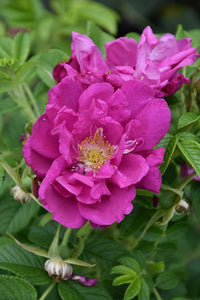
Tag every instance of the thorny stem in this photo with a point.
(48, 290)
(156, 294)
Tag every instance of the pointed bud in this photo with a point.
(58, 270)
(20, 195)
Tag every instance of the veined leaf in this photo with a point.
(133, 289)
(22, 263)
(191, 151)
(123, 280)
(74, 291)
(21, 46)
(144, 293)
(13, 288)
(121, 269)
(166, 281)
(187, 119)
(131, 263)
(168, 154)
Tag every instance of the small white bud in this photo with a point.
(181, 207)
(20, 195)
(59, 270)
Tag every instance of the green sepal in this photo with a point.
(37, 251)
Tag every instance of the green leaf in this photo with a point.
(34, 275)
(21, 46)
(12, 288)
(133, 289)
(185, 135)
(78, 262)
(121, 269)
(22, 216)
(37, 251)
(104, 250)
(133, 35)
(186, 119)
(131, 263)
(195, 192)
(98, 13)
(164, 142)
(155, 267)
(74, 291)
(6, 47)
(46, 63)
(99, 37)
(23, 263)
(123, 280)
(144, 293)
(191, 151)
(166, 281)
(53, 251)
(11, 172)
(168, 154)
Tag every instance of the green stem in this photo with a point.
(66, 236)
(20, 99)
(156, 294)
(48, 290)
(36, 200)
(182, 97)
(157, 215)
(185, 181)
(32, 99)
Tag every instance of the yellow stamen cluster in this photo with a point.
(95, 151)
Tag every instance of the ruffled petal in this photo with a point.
(122, 51)
(155, 122)
(87, 54)
(111, 208)
(138, 95)
(152, 181)
(66, 93)
(130, 171)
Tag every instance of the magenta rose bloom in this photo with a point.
(93, 147)
(153, 61)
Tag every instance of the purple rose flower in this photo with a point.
(93, 147)
(154, 61)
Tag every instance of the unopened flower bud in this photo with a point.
(58, 270)
(20, 195)
(181, 207)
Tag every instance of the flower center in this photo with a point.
(95, 151)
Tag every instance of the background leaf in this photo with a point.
(166, 281)
(21, 46)
(23, 263)
(13, 288)
(187, 119)
(74, 291)
(191, 151)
